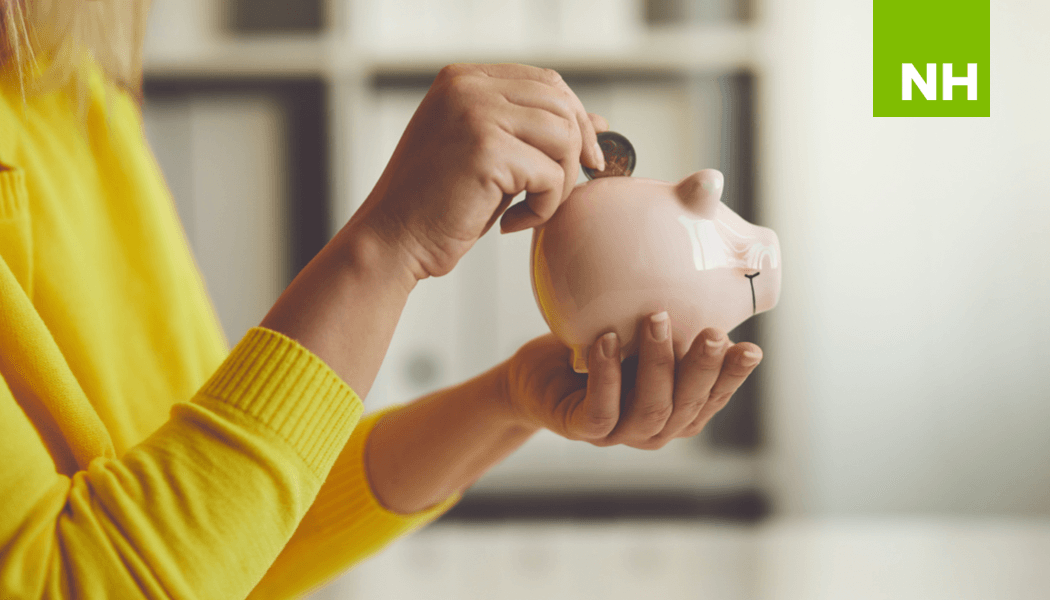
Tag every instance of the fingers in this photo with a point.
(599, 123)
(549, 132)
(531, 170)
(597, 415)
(519, 217)
(740, 360)
(540, 110)
(668, 402)
(652, 404)
(662, 401)
(553, 134)
(591, 153)
(697, 374)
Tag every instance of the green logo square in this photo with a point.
(931, 58)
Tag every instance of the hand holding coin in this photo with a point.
(619, 156)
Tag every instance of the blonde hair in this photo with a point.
(69, 32)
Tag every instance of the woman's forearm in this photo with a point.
(440, 444)
(344, 307)
(346, 302)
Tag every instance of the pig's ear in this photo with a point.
(701, 191)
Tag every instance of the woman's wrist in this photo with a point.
(374, 255)
(509, 411)
(345, 304)
(420, 454)
(372, 222)
(501, 406)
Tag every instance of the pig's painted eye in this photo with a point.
(751, 280)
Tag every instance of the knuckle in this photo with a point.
(446, 72)
(451, 71)
(596, 426)
(588, 425)
(662, 359)
(690, 405)
(655, 414)
(462, 91)
(566, 129)
(552, 76)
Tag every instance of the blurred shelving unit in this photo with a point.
(682, 91)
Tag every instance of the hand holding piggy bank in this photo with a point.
(620, 249)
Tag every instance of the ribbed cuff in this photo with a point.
(281, 384)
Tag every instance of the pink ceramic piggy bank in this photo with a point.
(621, 248)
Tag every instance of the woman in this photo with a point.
(142, 458)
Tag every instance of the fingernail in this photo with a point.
(609, 345)
(658, 322)
(749, 358)
(711, 347)
(600, 155)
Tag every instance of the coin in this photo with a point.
(619, 156)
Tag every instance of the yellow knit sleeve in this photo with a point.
(345, 525)
(200, 509)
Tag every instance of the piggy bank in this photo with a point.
(622, 248)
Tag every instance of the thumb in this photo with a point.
(519, 217)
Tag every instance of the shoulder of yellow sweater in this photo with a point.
(37, 83)
(12, 112)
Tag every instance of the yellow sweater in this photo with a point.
(140, 457)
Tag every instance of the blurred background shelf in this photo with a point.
(664, 51)
(659, 52)
(283, 56)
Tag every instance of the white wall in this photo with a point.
(908, 362)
